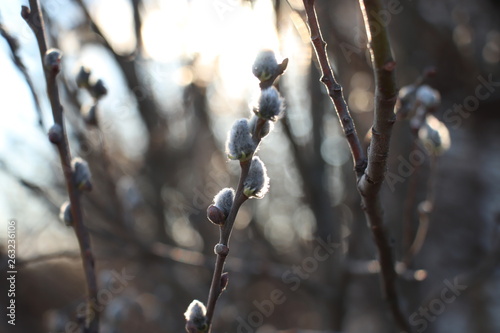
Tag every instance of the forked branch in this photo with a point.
(371, 173)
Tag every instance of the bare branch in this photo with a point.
(241, 195)
(384, 118)
(335, 89)
(371, 174)
(33, 16)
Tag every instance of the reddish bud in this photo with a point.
(215, 215)
(224, 279)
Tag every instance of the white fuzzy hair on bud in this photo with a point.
(271, 104)
(265, 65)
(428, 97)
(224, 200)
(239, 144)
(196, 316)
(256, 184)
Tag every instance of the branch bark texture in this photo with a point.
(334, 89)
(370, 172)
(33, 16)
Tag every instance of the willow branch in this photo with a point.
(370, 183)
(216, 286)
(33, 16)
(335, 89)
(371, 173)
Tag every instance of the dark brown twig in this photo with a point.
(384, 118)
(335, 89)
(225, 233)
(33, 16)
(370, 174)
(225, 230)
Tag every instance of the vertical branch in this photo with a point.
(225, 233)
(242, 144)
(334, 89)
(384, 118)
(370, 173)
(33, 16)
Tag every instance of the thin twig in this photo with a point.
(226, 229)
(14, 48)
(370, 174)
(225, 233)
(335, 89)
(33, 16)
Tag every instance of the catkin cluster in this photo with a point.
(242, 143)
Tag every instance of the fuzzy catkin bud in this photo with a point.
(428, 97)
(405, 93)
(224, 200)
(265, 65)
(196, 320)
(65, 214)
(52, 60)
(239, 144)
(219, 211)
(264, 131)
(256, 184)
(434, 135)
(81, 174)
(271, 104)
